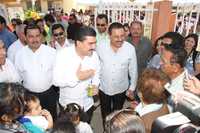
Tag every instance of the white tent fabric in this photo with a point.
(96, 2)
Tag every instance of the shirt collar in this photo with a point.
(144, 109)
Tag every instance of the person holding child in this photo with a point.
(38, 116)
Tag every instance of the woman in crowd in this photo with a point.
(11, 107)
(74, 113)
(155, 60)
(11, 110)
(38, 116)
(152, 95)
(193, 59)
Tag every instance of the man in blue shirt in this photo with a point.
(5, 35)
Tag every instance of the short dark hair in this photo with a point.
(101, 16)
(136, 22)
(84, 31)
(63, 125)
(31, 26)
(73, 112)
(2, 20)
(179, 54)
(176, 38)
(39, 20)
(17, 20)
(115, 25)
(29, 21)
(74, 16)
(56, 26)
(29, 98)
(126, 25)
(11, 99)
(50, 18)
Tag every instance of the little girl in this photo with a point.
(34, 112)
(73, 111)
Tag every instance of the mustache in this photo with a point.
(36, 42)
(120, 41)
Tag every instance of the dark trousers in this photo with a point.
(48, 100)
(111, 103)
(84, 116)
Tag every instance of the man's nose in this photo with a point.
(93, 46)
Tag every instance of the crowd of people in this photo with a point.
(53, 72)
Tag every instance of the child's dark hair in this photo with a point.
(29, 98)
(63, 125)
(73, 111)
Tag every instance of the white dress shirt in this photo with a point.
(176, 84)
(64, 75)
(13, 49)
(8, 73)
(83, 127)
(36, 68)
(101, 37)
(116, 67)
(66, 44)
(145, 109)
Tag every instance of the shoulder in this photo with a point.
(13, 45)
(66, 52)
(84, 126)
(102, 45)
(22, 51)
(8, 62)
(94, 54)
(129, 47)
(146, 40)
(48, 48)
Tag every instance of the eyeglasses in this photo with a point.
(58, 34)
(102, 25)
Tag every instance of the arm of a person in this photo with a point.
(10, 54)
(133, 71)
(197, 68)
(18, 66)
(197, 64)
(13, 73)
(96, 78)
(49, 118)
(192, 84)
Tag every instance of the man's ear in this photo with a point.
(78, 43)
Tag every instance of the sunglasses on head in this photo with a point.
(58, 34)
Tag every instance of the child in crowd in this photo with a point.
(63, 125)
(73, 111)
(34, 112)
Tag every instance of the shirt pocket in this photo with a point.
(45, 67)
